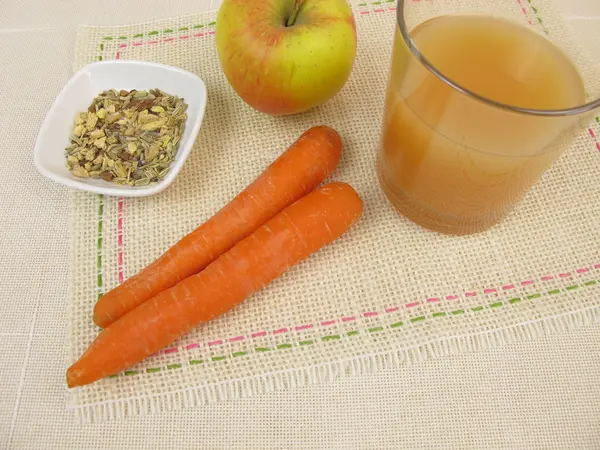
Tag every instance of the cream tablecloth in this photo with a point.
(537, 394)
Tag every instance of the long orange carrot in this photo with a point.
(294, 174)
(289, 237)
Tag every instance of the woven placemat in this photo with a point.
(386, 293)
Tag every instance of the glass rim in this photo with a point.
(576, 110)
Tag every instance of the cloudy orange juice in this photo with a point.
(452, 159)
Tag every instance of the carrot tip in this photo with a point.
(73, 377)
(104, 319)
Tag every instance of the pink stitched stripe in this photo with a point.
(120, 219)
(525, 12)
(391, 9)
(592, 134)
(364, 12)
(387, 310)
(171, 39)
(598, 146)
(120, 263)
(379, 10)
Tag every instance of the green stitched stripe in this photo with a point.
(324, 338)
(333, 337)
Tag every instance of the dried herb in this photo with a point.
(127, 137)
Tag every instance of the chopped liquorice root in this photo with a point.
(127, 137)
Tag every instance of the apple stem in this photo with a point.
(296, 8)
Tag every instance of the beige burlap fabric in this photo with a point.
(386, 293)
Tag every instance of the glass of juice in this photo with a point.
(479, 105)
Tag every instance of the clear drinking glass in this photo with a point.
(483, 97)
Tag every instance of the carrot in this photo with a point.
(294, 174)
(288, 238)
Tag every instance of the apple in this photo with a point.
(286, 56)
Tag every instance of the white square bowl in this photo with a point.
(78, 94)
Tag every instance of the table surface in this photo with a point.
(491, 399)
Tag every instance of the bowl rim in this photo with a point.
(117, 190)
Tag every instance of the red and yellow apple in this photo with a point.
(286, 56)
